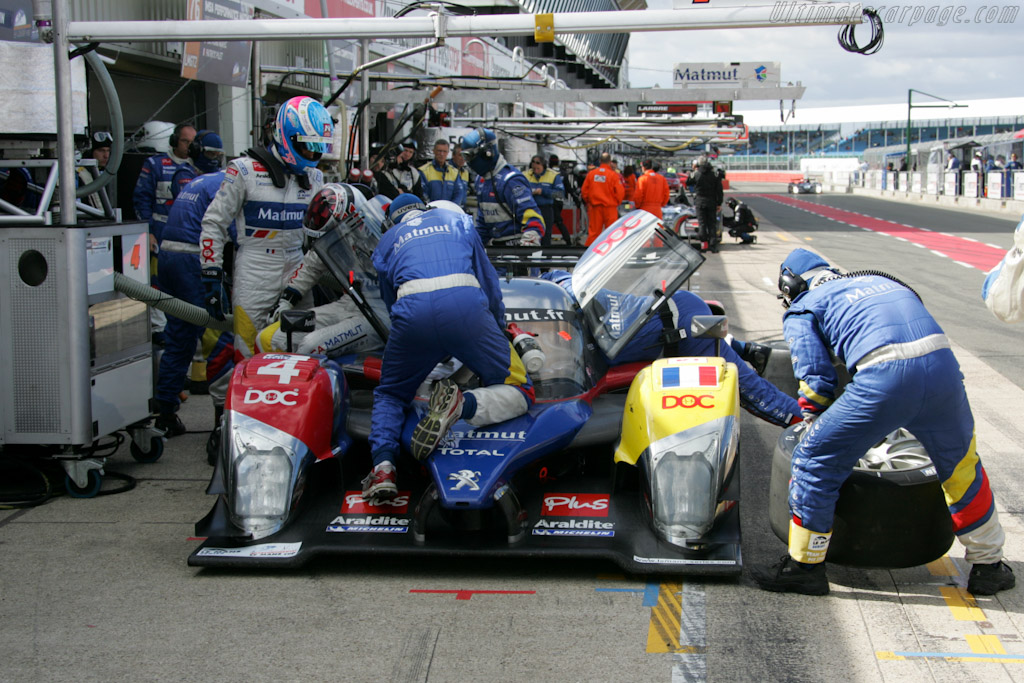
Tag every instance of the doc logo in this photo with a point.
(271, 397)
(575, 505)
(687, 401)
(465, 479)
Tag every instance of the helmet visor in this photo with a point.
(318, 144)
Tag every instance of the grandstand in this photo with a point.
(856, 131)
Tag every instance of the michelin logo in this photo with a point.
(573, 532)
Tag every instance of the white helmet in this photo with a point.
(446, 205)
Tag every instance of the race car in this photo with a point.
(804, 186)
(647, 477)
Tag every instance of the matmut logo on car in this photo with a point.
(575, 505)
(354, 504)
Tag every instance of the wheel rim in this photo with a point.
(899, 450)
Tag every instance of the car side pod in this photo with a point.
(680, 426)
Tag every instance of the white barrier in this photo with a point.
(971, 184)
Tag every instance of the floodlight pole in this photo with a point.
(911, 106)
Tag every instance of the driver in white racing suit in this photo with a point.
(266, 194)
(340, 326)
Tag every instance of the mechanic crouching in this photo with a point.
(444, 299)
(507, 214)
(904, 375)
(665, 336)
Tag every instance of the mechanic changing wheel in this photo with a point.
(891, 511)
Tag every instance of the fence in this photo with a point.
(1002, 184)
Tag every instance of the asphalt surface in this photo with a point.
(99, 589)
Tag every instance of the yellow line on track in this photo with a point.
(961, 604)
(663, 631)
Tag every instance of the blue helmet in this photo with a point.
(206, 151)
(480, 147)
(302, 124)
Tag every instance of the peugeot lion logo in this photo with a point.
(463, 479)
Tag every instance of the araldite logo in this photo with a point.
(354, 504)
(575, 505)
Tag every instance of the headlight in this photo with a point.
(261, 482)
(685, 475)
(266, 475)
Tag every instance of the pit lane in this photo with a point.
(101, 585)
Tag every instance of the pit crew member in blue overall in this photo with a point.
(206, 151)
(444, 300)
(266, 193)
(180, 277)
(757, 395)
(153, 197)
(507, 214)
(547, 189)
(441, 180)
(340, 327)
(904, 375)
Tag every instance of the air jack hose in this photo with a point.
(183, 310)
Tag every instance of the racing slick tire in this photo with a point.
(891, 511)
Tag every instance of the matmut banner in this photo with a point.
(726, 73)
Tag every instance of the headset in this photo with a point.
(791, 286)
(176, 135)
(195, 148)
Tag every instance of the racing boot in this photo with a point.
(790, 576)
(989, 579)
(444, 411)
(380, 484)
(213, 442)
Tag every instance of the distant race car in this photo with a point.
(673, 181)
(804, 186)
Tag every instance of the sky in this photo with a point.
(965, 61)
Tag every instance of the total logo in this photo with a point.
(354, 504)
(271, 397)
(575, 505)
(687, 401)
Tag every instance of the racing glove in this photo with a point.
(215, 295)
(289, 297)
(532, 233)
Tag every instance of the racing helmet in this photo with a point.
(446, 205)
(302, 124)
(796, 273)
(340, 205)
(206, 151)
(480, 148)
(731, 202)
